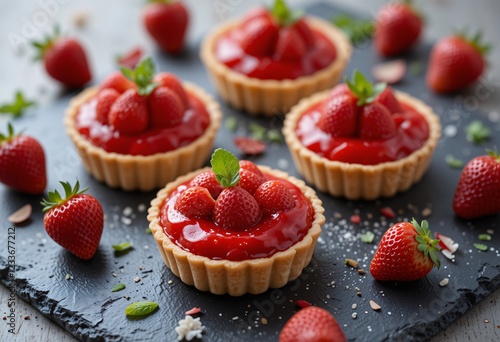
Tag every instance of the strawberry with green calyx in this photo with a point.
(364, 91)
(17, 107)
(142, 76)
(406, 252)
(22, 162)
(74, 221)
(235, 208)
(478, 189)
(64, 59)
(456, 62)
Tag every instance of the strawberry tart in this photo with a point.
(236, 228)
(362, 141)
(138, 130)
(267, 61)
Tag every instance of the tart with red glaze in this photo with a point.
(236, 228)
(265, 62)
(362, 141)
(138, 130)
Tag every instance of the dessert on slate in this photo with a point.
(267, 61)
(142, 134)
(237, 228)
(362, 141)
(406, 252)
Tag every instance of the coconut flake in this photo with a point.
(21, 214)
(389, 72)
(189, 328)
(448, 254)
(447, 243)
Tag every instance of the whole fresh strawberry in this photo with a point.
(397, 28)
(456, 62)
(167, 22)
(65, 60)
(75, 222)
(22, 162)
(478, 189)
(235, 208)
(312, 324)
(406, 252)
(273, 197)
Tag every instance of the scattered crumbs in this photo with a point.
(389, 313)
(137, 279)
(486, 321)
(4, 318)
(354, 306)
(170, 282)
(490, 231)
(358, 294)
(113, 274)
(494, 116)
(126, 297)
(141, 268)
(369, 216)
(189, 328)
(27, 318)
(356, 219)
(444, 282)
(68, 276)
(220, 314)
(337, 215)
(235, 318)
(127, 211)
(80, 18)
(361, 271)
(263, 320)
(351, 262)
(354, 315)
(122, 270)
(141, 207)
(449, 255)
(126, 221)
(426, 212)
(146, 247)
(375, 306)
(450, 131)
(387, 212)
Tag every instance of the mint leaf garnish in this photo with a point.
(481, 247)
(226, 167)
(454, 162)
(484, 237)
(118, 287)
(139, 309)
(17, 107)
(122, 246)
(363, 89)
(357, 30)
(367, 237)
(142, 76)
(231, 124)
(476, 132)
(283, 14)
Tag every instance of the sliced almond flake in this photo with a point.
(193, 311)
(448, 254)
(351, 262)
(444, 282)
(21, 214)
(375, 306)
(389, 72)
(426, 212)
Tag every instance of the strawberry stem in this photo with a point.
(142, 76)
(283, 15)
(475, 41)
(494, 154)
(55, 199)
(226, 167)
(16, 107)
(427, 245)
(363, 89)
(46, 44)
(10, 134)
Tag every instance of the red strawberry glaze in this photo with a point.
(229, 52)
(412, 133)
(272, 234)
(154, 140)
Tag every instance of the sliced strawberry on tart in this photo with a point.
(362, 141)
(236, 228)
(138, 130)
(268, 60)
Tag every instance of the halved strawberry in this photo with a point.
(195, 202)
(273, 197)
(129, 113)
(118, 82)
(165, 107)
(388, 99)
(208, 181)
(259, 37)
(305, 32)
(250, 181)
(169, 80)
(105, 99)
(339, 116)
(290, 46)
(376, 122)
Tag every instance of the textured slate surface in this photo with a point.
(86, 307)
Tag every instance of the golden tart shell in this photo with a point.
(144, 173)
(272, 97)
(356, 181)
(236, 277)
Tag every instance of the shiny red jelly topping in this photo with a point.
(412, 133)
(272, 234)
(152, 141)
(229, 52)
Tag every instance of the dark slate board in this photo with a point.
(86, 307)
